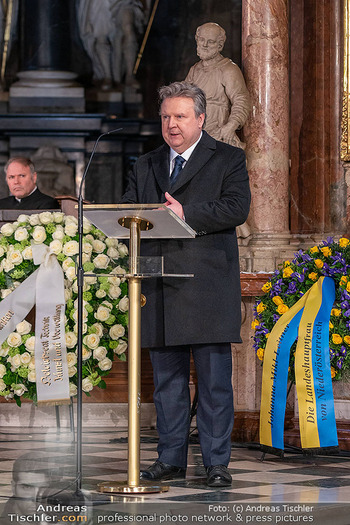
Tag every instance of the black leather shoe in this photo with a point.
(162, 471)
(218, 476)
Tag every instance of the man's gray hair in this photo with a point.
(24, 161)
(185, 89)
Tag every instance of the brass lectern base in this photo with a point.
(122, 487)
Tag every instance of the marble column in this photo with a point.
(265, 65)
(45, 82)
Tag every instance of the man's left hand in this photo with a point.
(174, 205)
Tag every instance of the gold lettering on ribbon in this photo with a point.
(310, 412)
(57, 374)
(5, 319)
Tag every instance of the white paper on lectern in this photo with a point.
(166, 224)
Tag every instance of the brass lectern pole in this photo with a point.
(133, 484)
(134, 365)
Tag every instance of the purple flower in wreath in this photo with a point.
(292, 288)
(275, 318)
(300, 277)
(340, 362)
(343, 350)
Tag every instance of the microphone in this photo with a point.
(92, 156)
(80, 282)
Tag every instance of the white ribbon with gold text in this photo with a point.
(52, 382)
(45, 288)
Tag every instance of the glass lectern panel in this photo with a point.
(113, 220)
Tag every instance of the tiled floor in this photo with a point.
(295, 489)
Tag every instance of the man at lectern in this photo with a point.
(21, 179)
(205, 182)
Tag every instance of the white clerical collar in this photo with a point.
(19, 200)
(186, 154)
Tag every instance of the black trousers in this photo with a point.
(171, 371)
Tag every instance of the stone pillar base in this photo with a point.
(46, 92)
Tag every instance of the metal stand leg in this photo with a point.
(133, 483)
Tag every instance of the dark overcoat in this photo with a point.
(213, 189)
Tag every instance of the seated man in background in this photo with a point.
(25, 195)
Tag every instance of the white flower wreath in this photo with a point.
(105, 307)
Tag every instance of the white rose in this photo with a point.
(113, 253)
(121, 348)
(123, 249)
(7, 229)
(23, 328)
(71, 359)
(114, 280)
(105, 364)
(58, 234)
(2, 370)
(71, 248)
(25, 358)
(87, 384)
(71, 339)
(102, 313)
(67, 263)
(21, 234)
(98, 329)
(86, 354)
(85, 315)
(72, 370)
(87, 247)
(92, 341)
(90, 280)
(34, 219)
(27, 253)
(85, 328)
(116, 331)
(45, 217)
(71, 229)
(14, 339)
(39, 234)
(100, 294)
(2, 385)
(114, 292)
(5, 293)
(4, 351)
(22, 218)
(15, 360)
(2, 251)
(71, 273)
(7, 265)
(119, 270)
(100, 353)
(86, 226)
(107, 304)
(32, 376)
(19, 389)
(15, 257)
(111, 242)
(30, 344)
(58, 216)
(56, 246)
(123, 304)
(101, 261)
(71, 218)
(72, 389)
(86, 257)
(98, 246)
(31, 365)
